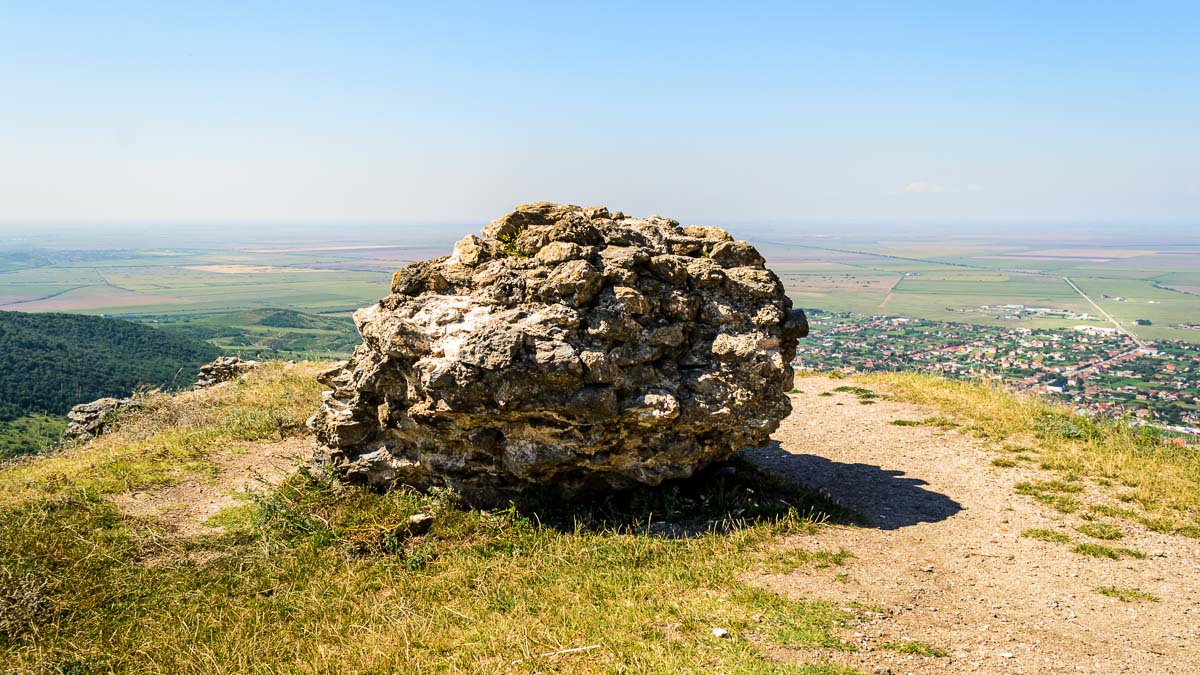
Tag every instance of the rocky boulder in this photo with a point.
(569, 347)
(223, 369)
(88, 420)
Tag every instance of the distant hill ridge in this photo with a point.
(49, 362)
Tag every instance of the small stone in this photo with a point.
(927, 568)
(88, 420)
(223, 369)
(420, 523)
(720, 633)
(1006, 655)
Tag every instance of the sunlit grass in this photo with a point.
(915, 648)
(316, 576)
(1162, 479)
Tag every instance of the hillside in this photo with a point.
(898, 523)
(49, 362)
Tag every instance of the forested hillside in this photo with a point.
(49, 362)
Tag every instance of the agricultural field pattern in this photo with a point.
(1146, 288)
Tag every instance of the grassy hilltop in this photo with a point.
(306, 575)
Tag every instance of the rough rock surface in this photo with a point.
(223, 369)
(570, 347)
(88, 420)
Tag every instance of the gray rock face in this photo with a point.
(88, 420)
(570, 347)
(222, 369)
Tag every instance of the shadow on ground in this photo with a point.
(885, 498)
(722, 498)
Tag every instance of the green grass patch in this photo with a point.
(939, 422)
(864, 395)
(1048, 492)
(1030, 488)
(789, 560)
(1127, 594)
(1169, 525)
(1046, 535)
(1060, 503)
(1112, 511)
(915, 648)
(1100, 531)
(1005, 462)
(1102, 551)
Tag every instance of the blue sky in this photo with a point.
(883, 113)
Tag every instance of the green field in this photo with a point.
(936, 278)
(192, 282)
(950, 281)
(268, 333)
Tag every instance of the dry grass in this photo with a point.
(1164, 480)
(315, 576)
(170, 437)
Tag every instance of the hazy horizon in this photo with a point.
(777, 114)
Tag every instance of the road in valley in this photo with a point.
(1117, 324)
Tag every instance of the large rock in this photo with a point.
(88, 420)
(569, 347)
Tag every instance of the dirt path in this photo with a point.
(247, 467)
(943, 562)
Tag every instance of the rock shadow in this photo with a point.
(886, 499)
(721, 498)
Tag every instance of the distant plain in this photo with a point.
(945, 276)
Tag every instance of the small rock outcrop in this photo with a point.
(575, 348)
(222, 369)
(88, 420)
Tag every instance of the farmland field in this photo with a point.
(953, 280)
(210, 287)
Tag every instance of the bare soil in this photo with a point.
(943, 563)
(185, 508)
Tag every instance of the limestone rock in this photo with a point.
(570, 347)
(88, 420)
(223, 369)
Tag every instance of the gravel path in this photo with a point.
(943, 562)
